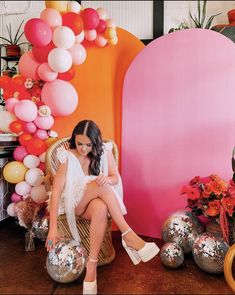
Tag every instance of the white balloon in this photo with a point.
(31, 161)
(42, 157)
(80, 37)
(22, 188)
(73, 6)
(39, 194)
(60, 60)
(34, 176)
(63, 37)
(5, 120)
(11, 209)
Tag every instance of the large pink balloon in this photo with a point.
(26, 110)
(60, 96)
(10, 104)
(38, 32)
(44, 122)
(28, 66)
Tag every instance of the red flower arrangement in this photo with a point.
(213, 197)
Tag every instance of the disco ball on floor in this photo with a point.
(172, 255)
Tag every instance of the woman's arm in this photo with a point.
(112, 177)
(58, 185)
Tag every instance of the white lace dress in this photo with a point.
(76, 182)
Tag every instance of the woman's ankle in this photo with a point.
(133, 240)
(91, 270)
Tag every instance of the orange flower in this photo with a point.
(208, 189)
(192, 193)
(228, 204)
(213, 208)
(216, 188)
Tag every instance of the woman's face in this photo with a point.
(83, 144)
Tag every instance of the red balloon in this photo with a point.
(90, 18)
(67, 76)
(36, 146)
(41, 53)
(18, 82)
(25, 138)
(5, 81)
(73, 21)
(102, 26)
(42, 166)
(16, 126)
(7, 94)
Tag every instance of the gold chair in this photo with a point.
(107, 252)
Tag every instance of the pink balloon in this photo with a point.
(90, 18)
(38, 32)
(102, 26)
(10, 104)
(44, 122)
(52, 17)
(20, 153)
(41, 53)
(60, 96)
(28, 66)
(42, 166)
(15, 198)
(29, 127)
(90, 35)
(46, 73)
(42, 134)
(100, 41)
(11, 209)
(26, 110)
(78, 53)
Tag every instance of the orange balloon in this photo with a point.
(36, 146)
(73, 21)
(5, 82)
(25, 138)
(16, 126)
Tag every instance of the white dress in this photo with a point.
(76, 182)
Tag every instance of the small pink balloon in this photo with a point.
(102, 26)
(42, 134)
(78, 53)
(10, 104)
(52, 17)
(100, 41)
(39, 194)
(90, 35)
(29, 127)
(20, 153)
(22, 188)
(38, 32)
(44, 122)
(28, 66)
(11, 209)
(46, 73)
(26, 110)
(102, 13)
(60, 96)
(42, 166)
(15, 198)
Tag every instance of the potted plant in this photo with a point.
(13, 45)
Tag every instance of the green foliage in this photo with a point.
(14, 39)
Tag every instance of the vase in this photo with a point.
(214, 228)
(29, 241)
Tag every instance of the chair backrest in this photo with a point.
(52, 161)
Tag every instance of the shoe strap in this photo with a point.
(93, 260)
(126, 232)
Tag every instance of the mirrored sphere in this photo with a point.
(172, 255)
(66, 262)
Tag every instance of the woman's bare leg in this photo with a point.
(107, 195)
(97, 212)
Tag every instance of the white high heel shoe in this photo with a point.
(90, 287)
(144, 254)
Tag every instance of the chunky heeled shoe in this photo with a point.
(90, 287)
(144, 254)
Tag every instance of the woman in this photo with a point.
(87, 183)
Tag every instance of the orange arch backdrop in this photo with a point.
(99, 84)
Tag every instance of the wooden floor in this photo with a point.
(25, 272)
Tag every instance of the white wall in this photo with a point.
(134, 16)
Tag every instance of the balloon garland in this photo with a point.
(42, 90)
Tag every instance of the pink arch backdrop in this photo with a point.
(178, 122)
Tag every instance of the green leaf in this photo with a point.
(17, 32)
(10, 33)
(203, 13)
(5, 39)
(195, 20)
(199, 10)
(210, 20)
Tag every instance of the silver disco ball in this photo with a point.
(40, 228)
(209, 252)
(183, 228)
(172, 255)
(66, 262)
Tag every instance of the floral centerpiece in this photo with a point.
(214, 198)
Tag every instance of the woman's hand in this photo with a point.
(101, 180)
(52, 238)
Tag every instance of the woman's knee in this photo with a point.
(99, 209)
